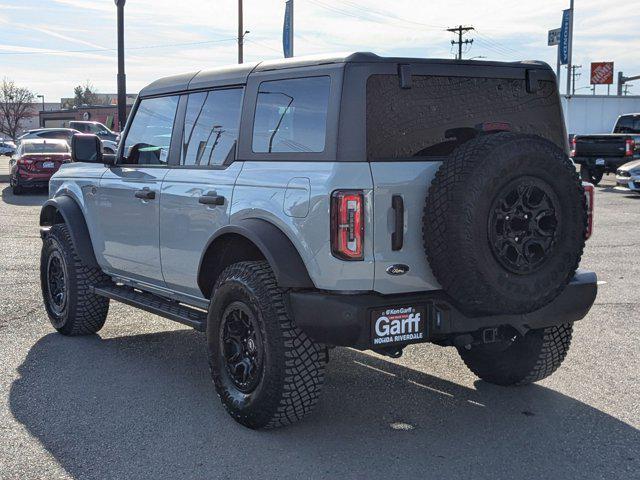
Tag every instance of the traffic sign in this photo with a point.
(553, 37)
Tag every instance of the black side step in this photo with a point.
(155, 304)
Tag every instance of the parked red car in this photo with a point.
(35, 161)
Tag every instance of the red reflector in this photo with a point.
(589, 193)
(347, 224)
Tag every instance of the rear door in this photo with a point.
(128, 206)
(196, 194)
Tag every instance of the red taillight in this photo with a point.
(629, 147)
(589, 197)
(347, 224)
(572, 152)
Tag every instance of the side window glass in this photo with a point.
(211, 126)
(291, 115)
(149, 137)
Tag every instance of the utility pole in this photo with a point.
(573, 75)
(460, 30)
(240, 33)
(122, 78)
(626, 88)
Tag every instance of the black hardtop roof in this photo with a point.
(238, 74)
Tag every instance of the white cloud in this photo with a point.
(506, 30)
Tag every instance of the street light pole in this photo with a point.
(41, 121)
(240, 33)
(122, 78)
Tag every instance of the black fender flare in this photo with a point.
(66, 207)
(275, 246)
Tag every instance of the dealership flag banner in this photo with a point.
(287, 30)
(564, 37)
(601, 73)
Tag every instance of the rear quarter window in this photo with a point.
(291, 115)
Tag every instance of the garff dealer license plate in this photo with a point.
(394, 325)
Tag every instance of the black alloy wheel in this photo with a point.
(57, 283)
(242, 347)
(523, 224)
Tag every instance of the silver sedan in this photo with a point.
(628, 176)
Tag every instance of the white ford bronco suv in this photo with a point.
(292, 206)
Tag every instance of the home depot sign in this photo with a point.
(601, 73)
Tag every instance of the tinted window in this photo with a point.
(59, 134)
(437, 114)
(210, 126)
(149, 137)
(291, 115)
(628, 124)
(45, 148)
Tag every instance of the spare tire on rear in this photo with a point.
(504, 224)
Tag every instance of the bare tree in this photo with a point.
(16, 105)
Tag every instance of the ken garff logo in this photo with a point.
(397, 269)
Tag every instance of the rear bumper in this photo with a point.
(611, 164)
(344, 320)
(25, 179)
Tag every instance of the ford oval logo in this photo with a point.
(397, 269)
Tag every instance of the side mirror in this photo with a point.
(88, 148)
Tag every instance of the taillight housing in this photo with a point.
(572, 144)
(26, 162)
(629, 147)
(589, 192)
(347, 224)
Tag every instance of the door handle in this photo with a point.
(211, 198)
(397, 237)
(145, 194)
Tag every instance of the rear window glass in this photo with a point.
(628, 124)
(291, 115)
(439, 113)
(45, 148)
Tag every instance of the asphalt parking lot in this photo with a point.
(136, 401)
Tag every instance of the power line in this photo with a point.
(143, 47)
(460, 30)
(497, 45)
(373, 15)
(574, 74)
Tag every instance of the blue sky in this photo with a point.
(50, 46)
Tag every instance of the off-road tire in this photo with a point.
(293, 365)
(84, 312)
(589, 175)
(456, 226)
(528, 359)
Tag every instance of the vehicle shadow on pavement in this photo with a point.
(30, 198)
(143, 406)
